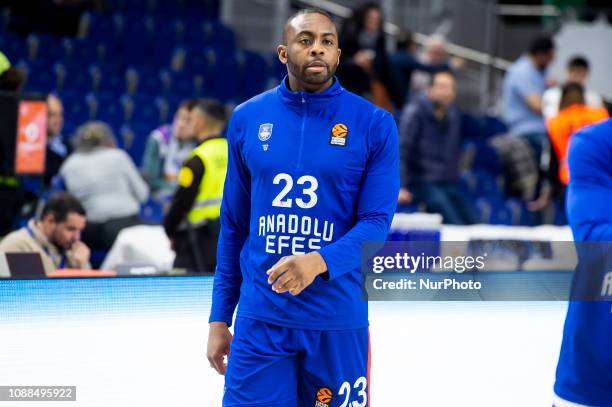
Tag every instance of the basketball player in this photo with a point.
(584, 371)
(312, 172)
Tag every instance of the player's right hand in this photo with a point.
(219, 339)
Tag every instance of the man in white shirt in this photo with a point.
(577, 71)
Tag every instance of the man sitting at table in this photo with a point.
(56, 235)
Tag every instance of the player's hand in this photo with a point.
(80, 253)
(404, 197)
(295, 273)
(219, 339)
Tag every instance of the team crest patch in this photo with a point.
(339, 135)
(265, 131)
(324, 397)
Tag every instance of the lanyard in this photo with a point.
(46, 249)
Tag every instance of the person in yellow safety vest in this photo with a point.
(192, 221)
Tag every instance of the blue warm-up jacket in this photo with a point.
(306, 172)
(584, 371)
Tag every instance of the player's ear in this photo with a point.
(282, 53)
(339, 53)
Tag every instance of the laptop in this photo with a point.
(24, 265)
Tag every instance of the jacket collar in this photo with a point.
(319, 99)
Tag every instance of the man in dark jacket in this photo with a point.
(430, 147)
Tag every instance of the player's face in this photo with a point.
(65, 234)
(311, 52)
(182, 124)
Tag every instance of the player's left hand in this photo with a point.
(295, 273)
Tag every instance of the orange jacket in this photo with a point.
(562, 126)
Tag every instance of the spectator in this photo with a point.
(57, 150)
(364, 64)
(56, 235)
(524, 85)
(577, 72)
(436, 55)
(573, 116)
(403, 63)
(167, 147)
(105, 179)
(192, 222)
(430, 147)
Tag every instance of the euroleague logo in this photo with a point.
(324, 397)
(339, 135)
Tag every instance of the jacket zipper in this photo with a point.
(304, 114)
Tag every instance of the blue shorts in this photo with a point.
(271, 365)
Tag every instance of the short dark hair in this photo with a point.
(571, 93)
(308, 10)
(578, 61)
(62, 204)
(212, 109)
(541, 45)
(187, 104)
(404, 40)
(11, 80)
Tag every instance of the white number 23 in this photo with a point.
(312, 183)
(360, 385)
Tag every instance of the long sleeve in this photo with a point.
(377, 200)
(590, 187)
(138, 186)
(189, 179)
(409, 129)
(235, 216)
(151, 164)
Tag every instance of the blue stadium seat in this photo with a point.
(81, 51)
(152, 212)
(219, 37)
(486, 158)
(149, 82)
(471, 127)
(223, 81)
(48, 47)
(137, 41)
(500, 214)
(493, 126)
(103, 29)
(77, 112)
(181, 84)
(41, 79)
(144, 110)
(77, 77)
(486, 185)
(111, 113)
(13, 46)
(111, 78)
(134, 137)
(278, 70)
(252, 74)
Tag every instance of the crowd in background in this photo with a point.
(418, 86)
